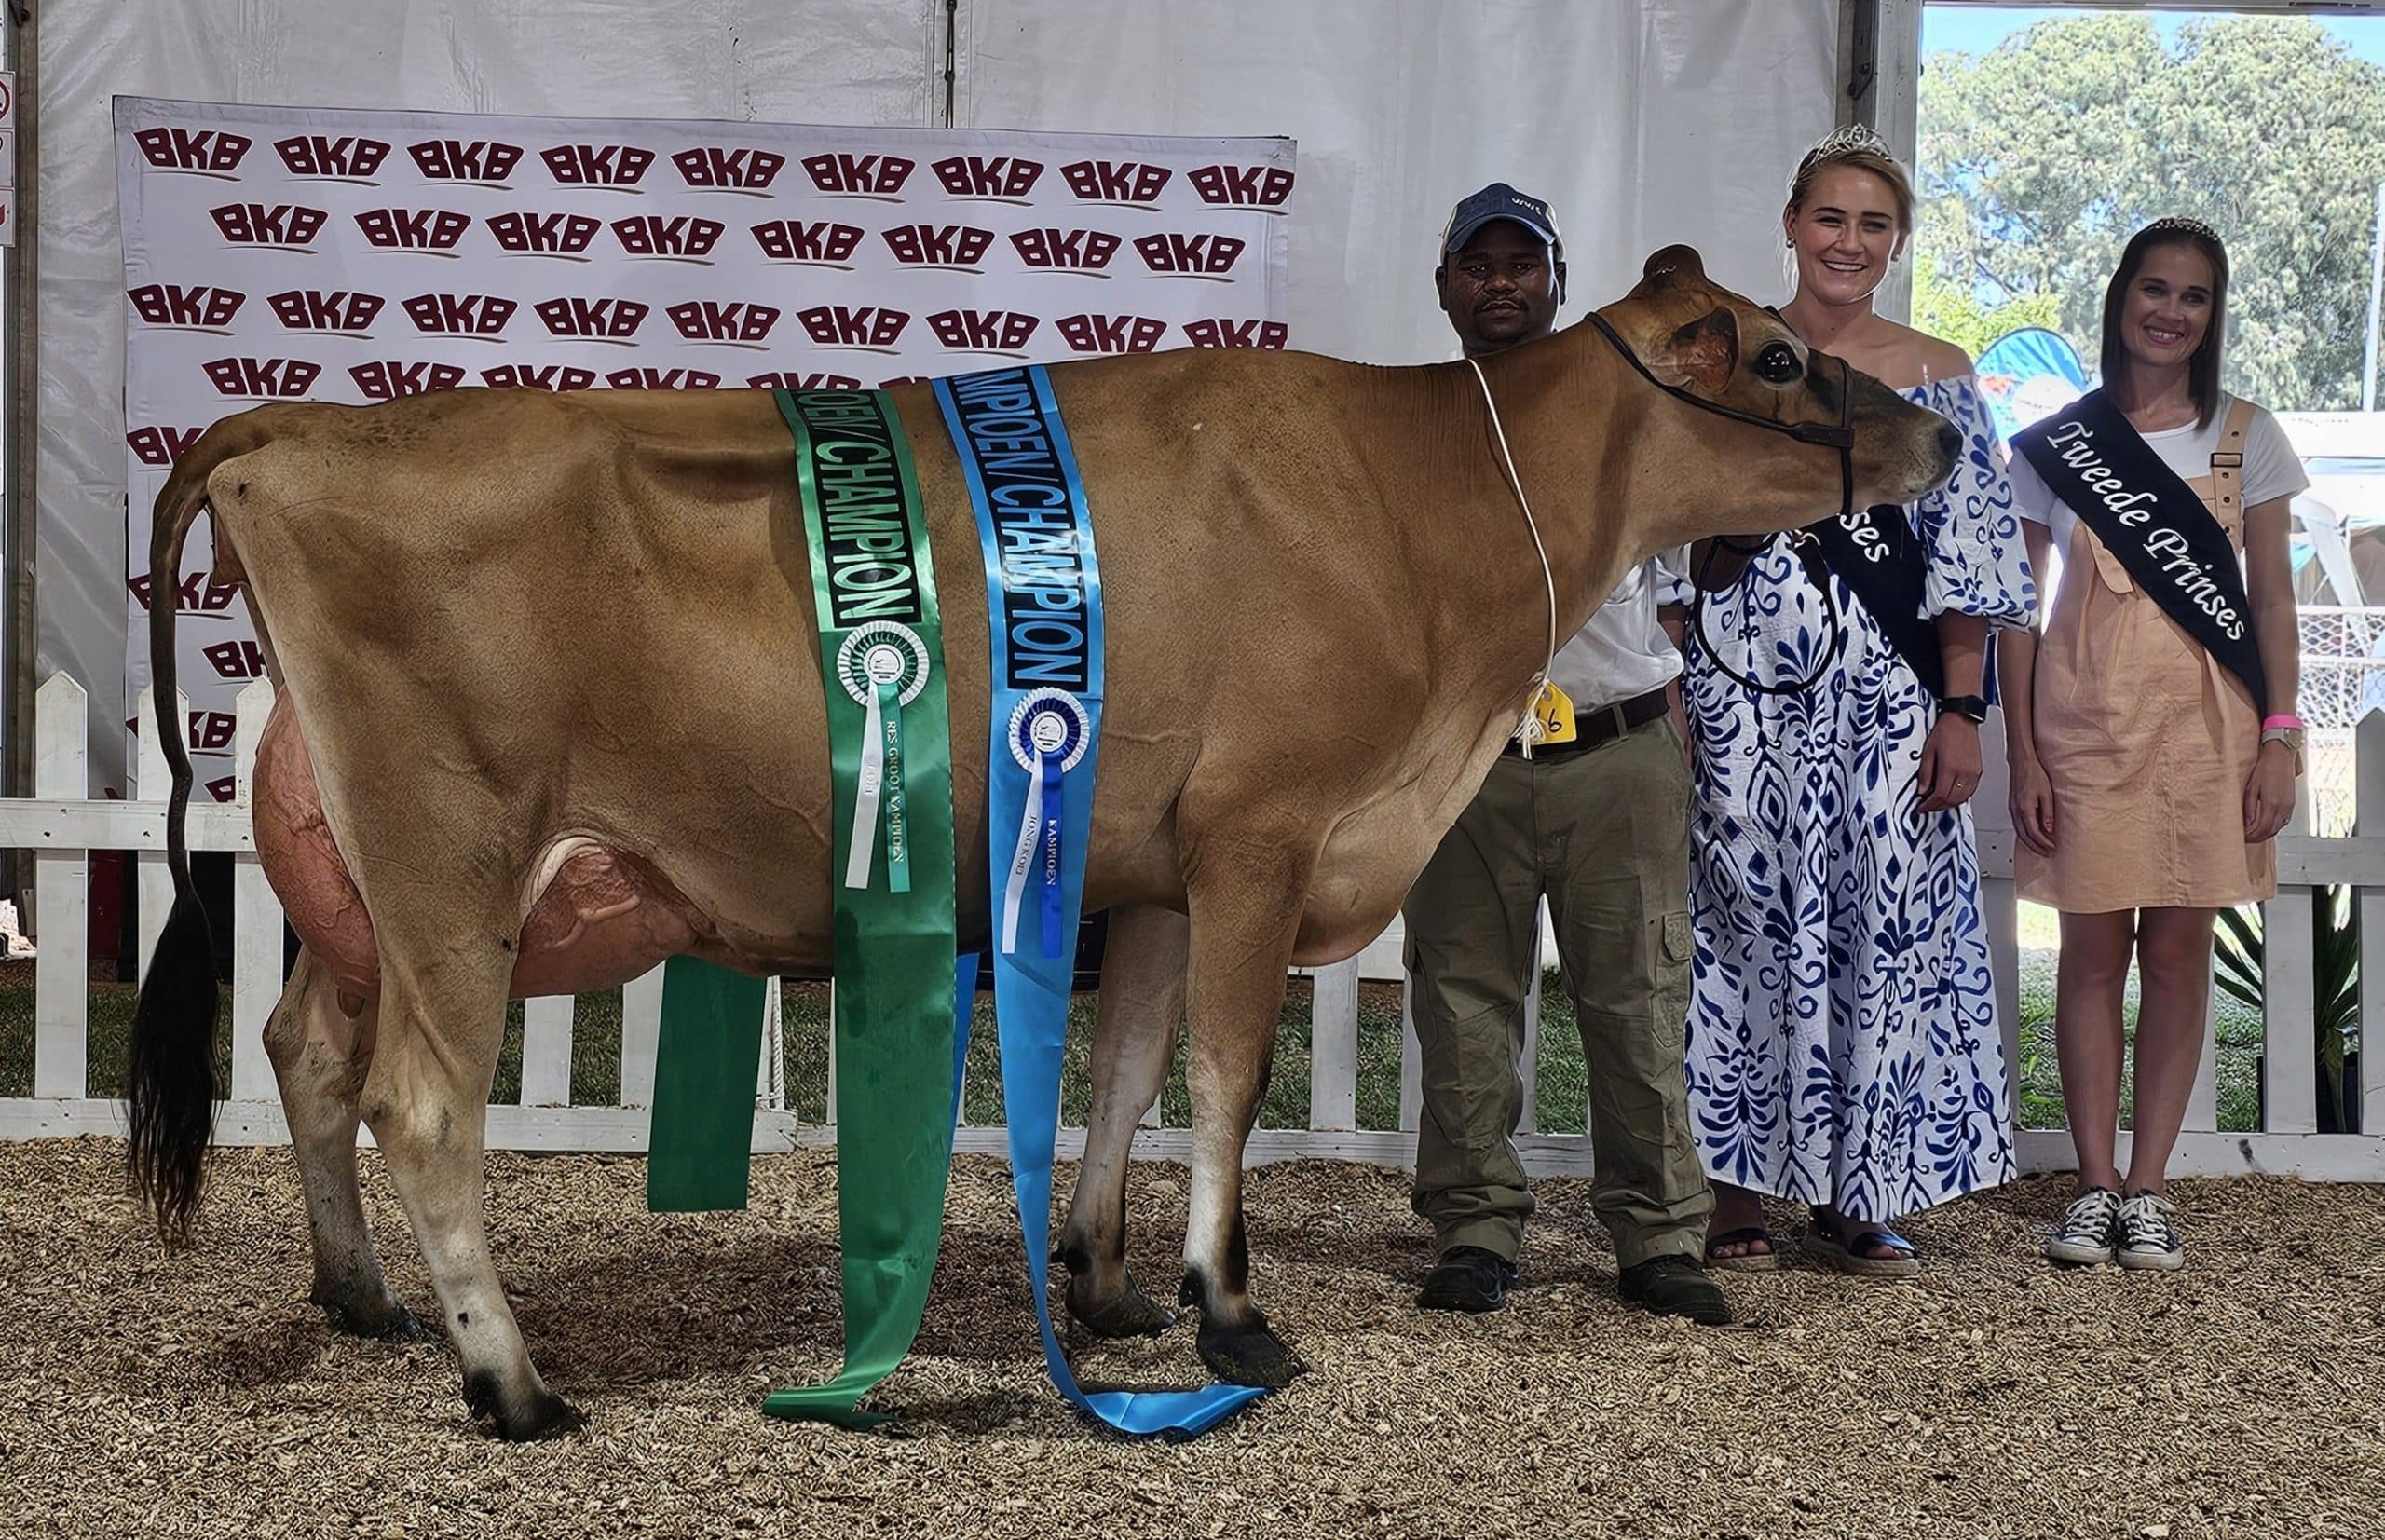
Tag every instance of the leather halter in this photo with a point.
(1839, 436)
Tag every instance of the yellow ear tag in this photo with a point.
(1555, 709)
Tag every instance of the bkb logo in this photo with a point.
(597, 164)
(192, 150)
(268, 377)
(652, 235)
(414, 229)
(881, 175)
(1242, 187)
(240, 660)
(161, 446)
(465, 161)
(741, 169)
(1111, 333)
(1209, 255)
(460, 315)
(198, 593)
(1116, 181)
(390, 380)
(853, 326)
(958, 246)
(649, 378)
(1237, 334)
(538, 376)
(791, 380)
(1081, 251)
(609, 320)
(807, 241)
(280, 224)
(738, 322)
(895, 382)
(983, 331)
(223, 788)
(172, 305)
(346, 158)
(987, 176)
(320, 310)
(526, 234)
(211, 731)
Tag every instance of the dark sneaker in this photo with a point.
(1675, 1285)
(1468, 1279)
(2089, 1229)
(2149, 1234)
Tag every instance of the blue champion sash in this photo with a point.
(1044, 611)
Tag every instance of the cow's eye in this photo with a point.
(1778, 364)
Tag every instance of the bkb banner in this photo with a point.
(277, 253)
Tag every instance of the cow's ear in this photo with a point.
(1670, 269)
(1702, 353)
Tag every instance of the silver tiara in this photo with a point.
(1848, 140)
(2187, 225)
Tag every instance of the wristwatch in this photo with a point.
(1972, 707)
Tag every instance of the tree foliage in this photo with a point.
(2041, 158)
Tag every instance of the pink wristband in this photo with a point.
(2283, 719)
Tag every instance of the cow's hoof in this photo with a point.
(543, 1415)
(1251, 1356)
(1131, 1313)
(376, 1320)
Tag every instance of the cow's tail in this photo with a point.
(172, 1056)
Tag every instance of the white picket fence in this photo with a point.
(60, 823)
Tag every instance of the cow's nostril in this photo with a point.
(1950, 440)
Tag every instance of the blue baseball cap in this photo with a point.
(1500, 202)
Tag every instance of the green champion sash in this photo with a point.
(881, 652)
(698, 1153)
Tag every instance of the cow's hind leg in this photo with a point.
(427, 1100)
(1245, 893)
(319, 1055)
(1134, 1040)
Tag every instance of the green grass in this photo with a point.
(595, 1071)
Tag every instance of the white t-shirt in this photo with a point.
(1621, 652)
(2272, 468)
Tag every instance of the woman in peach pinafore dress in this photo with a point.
(2150, 776)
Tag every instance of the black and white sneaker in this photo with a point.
(2149, 1234)
(2089, 1229)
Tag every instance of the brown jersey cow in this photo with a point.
(550, 710)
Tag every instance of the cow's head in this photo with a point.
(1712, 345)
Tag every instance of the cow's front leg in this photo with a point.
(320, 1056)
(1245, 894)
(1134, 1040)
(427, 1100)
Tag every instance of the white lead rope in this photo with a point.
(1530, 730)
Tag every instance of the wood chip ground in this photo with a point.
(150, 1394)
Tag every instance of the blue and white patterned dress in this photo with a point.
(1843, 1043)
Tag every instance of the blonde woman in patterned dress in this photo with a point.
(1843, 1045)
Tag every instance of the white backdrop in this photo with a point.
(1644, 121)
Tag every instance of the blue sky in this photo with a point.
(1976, 28)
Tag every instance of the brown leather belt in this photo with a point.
(1597, 728)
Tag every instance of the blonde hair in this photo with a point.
(1858, 148)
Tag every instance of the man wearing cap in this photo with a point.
(1597, 821)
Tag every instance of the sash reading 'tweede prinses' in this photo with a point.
(1044, 611)
(2095, 461)
(881, 653)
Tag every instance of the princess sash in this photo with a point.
(2095, 460)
